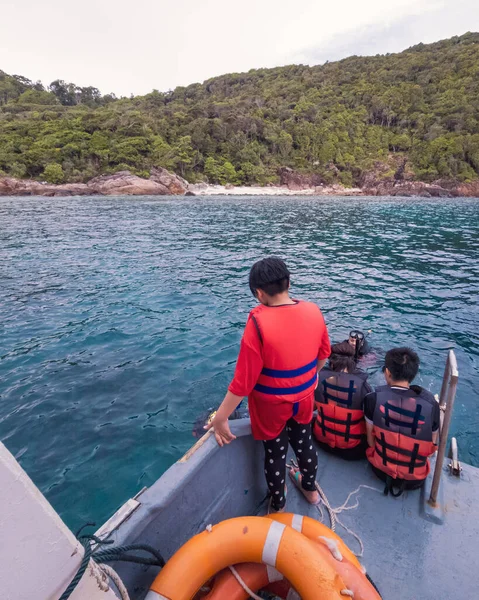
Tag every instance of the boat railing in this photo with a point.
(446, 404)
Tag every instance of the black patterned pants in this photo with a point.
(299, 436)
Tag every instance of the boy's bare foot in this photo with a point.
(312, 497)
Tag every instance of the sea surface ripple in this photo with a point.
(121, 318)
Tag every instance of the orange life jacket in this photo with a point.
(339, 401)
(402, 428)
(290, 350)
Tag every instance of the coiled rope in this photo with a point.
(85, 542)
(119, 553)
(113, 576)
(334, 512)
(103, 555)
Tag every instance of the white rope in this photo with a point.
(355, 536)
(345, 505)
(243, 584)
(333, 512)
(325, 501)
(113, 575)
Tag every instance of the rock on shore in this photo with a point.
(161, 183)
(173, 183)
(396, 179)
(124, 183)
(10, 186)
(410, 189)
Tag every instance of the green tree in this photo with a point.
(212, 170)
(53, 173)
(183, 154)
(33, 96)
(229, 174)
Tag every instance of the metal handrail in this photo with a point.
(446, 403)
(454, 465)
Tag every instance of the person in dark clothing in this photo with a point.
(339, 426)
(357, 346)
(357, 340)
(402, 424)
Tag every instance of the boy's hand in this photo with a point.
(222, 431)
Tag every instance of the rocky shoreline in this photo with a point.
(160, 183)
(163, 183)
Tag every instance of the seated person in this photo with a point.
(402, 423)
(339, 426)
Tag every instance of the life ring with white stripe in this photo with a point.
(248, 539)
(333, 550)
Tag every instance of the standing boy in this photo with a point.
(285, 343)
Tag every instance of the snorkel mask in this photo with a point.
(358, 337)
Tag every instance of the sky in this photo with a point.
(129, 47)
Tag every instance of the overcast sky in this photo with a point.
(129, 47)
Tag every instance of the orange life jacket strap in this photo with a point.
(347, 435)
(416, 460)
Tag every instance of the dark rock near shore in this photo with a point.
(375, 183)
(413, 188)
(382, 181)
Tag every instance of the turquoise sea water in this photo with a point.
(121, 318)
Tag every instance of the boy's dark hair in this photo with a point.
(402, 363)
(270, 275)
(339, 362)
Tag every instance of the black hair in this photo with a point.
(270, 275)
(344, 348)
(402, 363)
(339, 362)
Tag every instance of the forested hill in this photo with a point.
(415, 113)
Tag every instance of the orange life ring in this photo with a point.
(248, 539)
(225, 585)
(257, 577)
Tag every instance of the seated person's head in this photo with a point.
(341, 362)
(342, 348)
(400, 365)
(268, 277)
